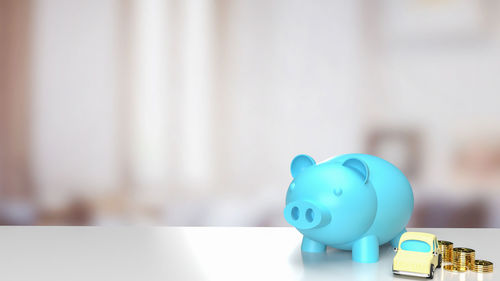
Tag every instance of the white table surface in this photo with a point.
(203, 253)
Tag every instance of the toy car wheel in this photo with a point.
(431, 273)
(440, 260)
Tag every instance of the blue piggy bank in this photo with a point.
(351, 202)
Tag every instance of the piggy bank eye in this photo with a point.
(337, 191)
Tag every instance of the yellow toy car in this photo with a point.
(417, 255)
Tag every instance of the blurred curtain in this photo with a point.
(190, 108)
(225, 93)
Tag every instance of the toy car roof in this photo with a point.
(423, 236)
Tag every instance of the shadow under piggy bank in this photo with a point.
(337, 264)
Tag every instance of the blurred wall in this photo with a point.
(189, 112)
(16, 188)
(74, 98)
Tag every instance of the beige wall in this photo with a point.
(15, 180)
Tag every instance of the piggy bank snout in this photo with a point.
(306, 215)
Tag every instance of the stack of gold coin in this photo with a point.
(463, 258)
(446, 248)
(450, 267)
(482, 266)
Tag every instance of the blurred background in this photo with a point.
(189, 112)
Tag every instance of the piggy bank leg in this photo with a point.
(395, 240)
(365, 250)
(312, 246)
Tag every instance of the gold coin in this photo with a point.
(446, 249)
(482, 266)
(464, 257)
(453, 268)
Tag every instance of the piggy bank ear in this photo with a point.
(300, 162)
(358, 166)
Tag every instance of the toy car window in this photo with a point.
(415, 246)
